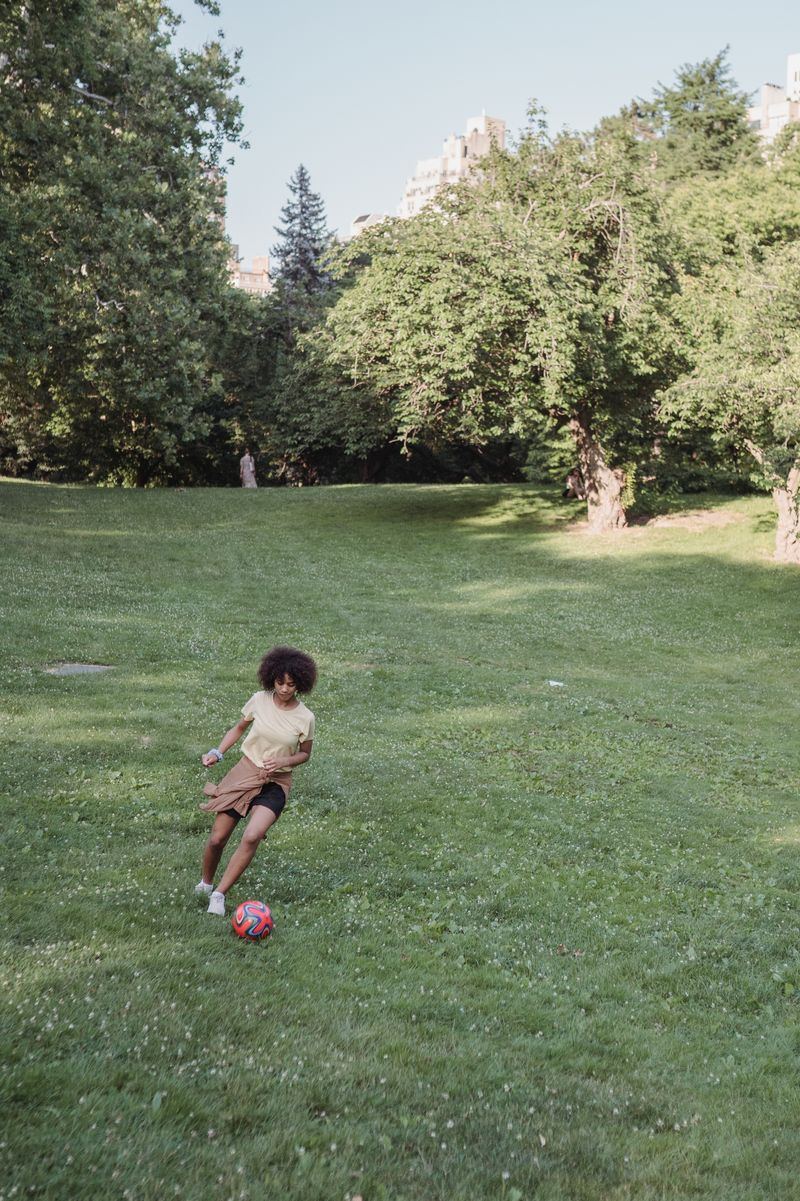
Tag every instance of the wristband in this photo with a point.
(216, 751)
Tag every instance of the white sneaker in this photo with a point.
(217, 904)
(203, 890)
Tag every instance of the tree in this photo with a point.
(745, 385)
(303, 401)
(299, 255)
(323, 425)
(739, 310)
(245, 347)
(542, 290)
(737, 216)
(697, 126)
(114, 281)
(700, 122)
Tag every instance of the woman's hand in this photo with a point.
(273, 764)
(289, 761)
(230, 739)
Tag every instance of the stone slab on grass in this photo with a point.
(77, 669)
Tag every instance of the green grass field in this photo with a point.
(531, 941)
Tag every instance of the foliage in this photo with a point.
(114, 283)
(541, 291)
(740, 317)
(746, 382)
(553, 296)
(326, 427)
(530, 941)
(740, 215)
(299, 256)
(307, 422)
(319, 424)
(698, 125)
(247, 351)
(550, 453)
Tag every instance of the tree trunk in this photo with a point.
(373, 464)
(604, 484)
(786, 496)
(787, 502)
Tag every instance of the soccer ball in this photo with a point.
(253, 920)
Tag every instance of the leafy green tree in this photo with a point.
(739, 309)
(739, 235)
(322, 424)
(542, 291)
(745, 386)
(113, 278)
(737, 216)
(244, 349)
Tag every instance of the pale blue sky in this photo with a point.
(359, 91)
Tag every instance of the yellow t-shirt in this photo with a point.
(275, 732)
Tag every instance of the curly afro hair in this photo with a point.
(288, 661)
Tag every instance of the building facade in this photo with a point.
(257, 281)
(777, 106)
(364, 222)
(459, 156)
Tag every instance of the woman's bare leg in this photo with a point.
(223, 827)
(260, 821)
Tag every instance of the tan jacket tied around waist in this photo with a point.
(237, 788)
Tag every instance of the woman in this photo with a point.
(247, 470)
(281, 733)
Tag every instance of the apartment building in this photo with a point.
(257, 280)
(459, 156)
(777, 105)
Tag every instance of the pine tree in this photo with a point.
(700, 121)
(303, 241)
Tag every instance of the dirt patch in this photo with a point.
(702, 519)
(699, 520)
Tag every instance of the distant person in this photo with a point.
(575, 488)
(247, 470)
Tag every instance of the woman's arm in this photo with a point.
(301, 756)
(230, 739)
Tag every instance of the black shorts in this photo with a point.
(271, 797)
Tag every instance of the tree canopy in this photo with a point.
(114, 279)
(699, 123)
(739, 312)
(540, 291)
(632, 289)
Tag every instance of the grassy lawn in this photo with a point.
(531, 941)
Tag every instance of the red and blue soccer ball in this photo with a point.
(253, 920)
